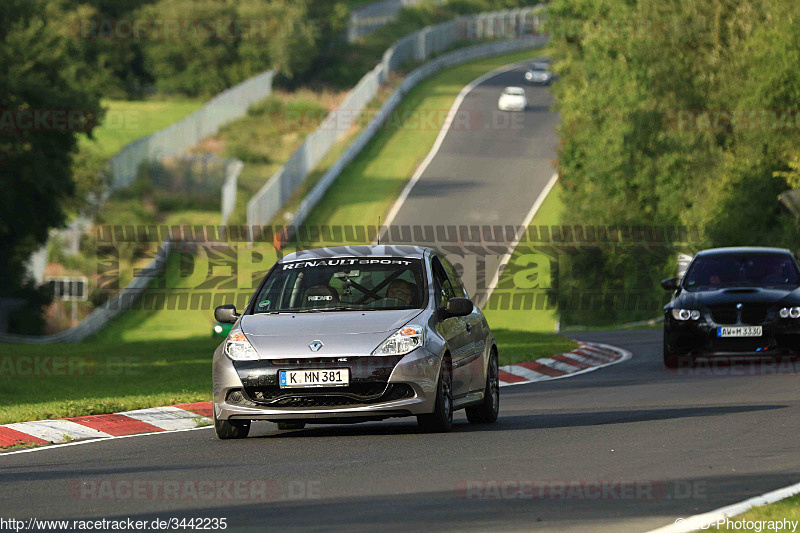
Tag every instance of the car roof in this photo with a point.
(362, 250)
(743, 250)
(514, 89)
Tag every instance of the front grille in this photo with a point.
(235, 397)
(726, 314)
(754, 314)
(751, 314)
(333, 397)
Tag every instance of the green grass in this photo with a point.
(126, 121)
(788, 509)
(371, 183)
(106, 377)
(519, 345)
(526, 334)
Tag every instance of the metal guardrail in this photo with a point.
(102, 315)
(416, 47)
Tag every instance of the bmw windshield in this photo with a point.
(761, 270)
(342, 284)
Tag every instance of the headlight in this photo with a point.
(238, 348)
(402, 341)
(793, 312)
(686, 314)
(528, 75)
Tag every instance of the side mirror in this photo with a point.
(226, 314)
(456, 307)
(670, 284)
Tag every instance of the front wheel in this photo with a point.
(673, 360)
(231, 429)
(487, 411)
(441, 420)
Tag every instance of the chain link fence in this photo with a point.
(179, 137)
(370, 17)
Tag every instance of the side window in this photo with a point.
(458, 287)
(443, 287)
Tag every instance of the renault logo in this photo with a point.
(315, 346)
(738, 306)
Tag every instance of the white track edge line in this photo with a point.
(44, 447)
(686, 525)
(398, 204)
(518, 237)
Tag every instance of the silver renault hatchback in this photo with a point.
(353, 334)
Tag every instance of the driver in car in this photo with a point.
(401, 290)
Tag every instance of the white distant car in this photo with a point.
(513, 99)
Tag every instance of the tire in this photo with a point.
(487, 411)
(441, 419)
(290, 425)
(231, 429)
(673, 360)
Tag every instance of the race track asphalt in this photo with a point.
(681, 442)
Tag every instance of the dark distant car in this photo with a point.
(539, 73)
(351, 334)
(734, 301)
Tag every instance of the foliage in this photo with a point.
(683, 121)
(42, 73)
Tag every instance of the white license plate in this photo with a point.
(740, 331)
(337, 377)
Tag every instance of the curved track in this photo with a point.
(699, 440)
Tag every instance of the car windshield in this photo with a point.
(513, 91)
(719, 271)
(343, 284)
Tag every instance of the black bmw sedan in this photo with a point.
(733, 301)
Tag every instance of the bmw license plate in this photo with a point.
(337, 377)
(739, 331)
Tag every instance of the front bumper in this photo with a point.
(380, 387)
(699, 337)
(512, 107)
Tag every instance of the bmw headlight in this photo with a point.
(686, 314)
(238, 348)
(402, 341)
(787, 312)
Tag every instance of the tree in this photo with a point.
(45, 103)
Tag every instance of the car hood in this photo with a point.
(736, 295)
(341, 332)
